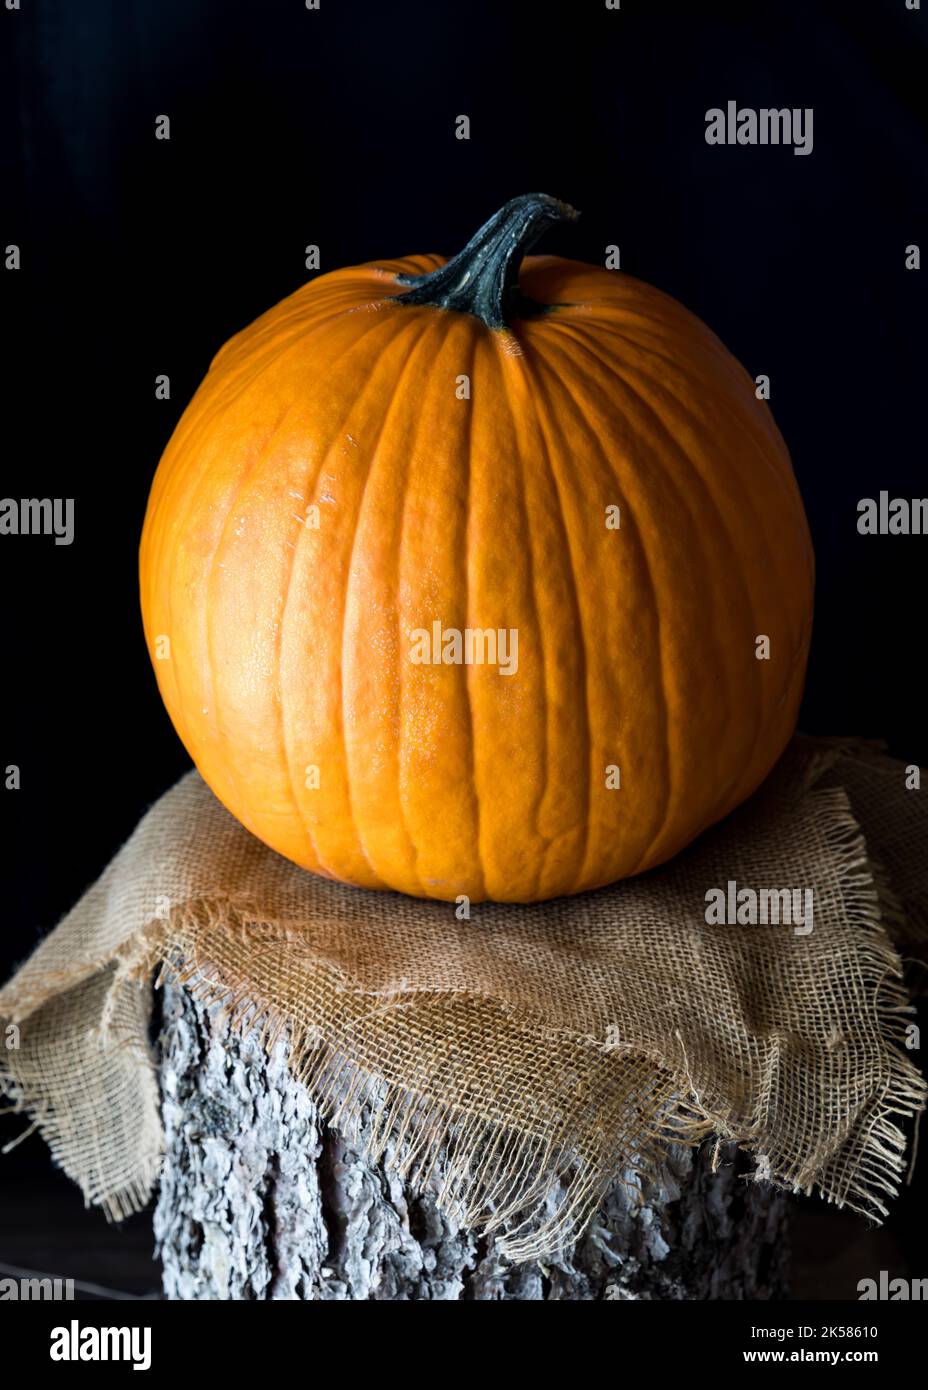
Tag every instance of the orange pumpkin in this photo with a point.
(454, 574)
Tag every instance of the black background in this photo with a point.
(336, 127)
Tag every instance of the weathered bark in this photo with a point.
(260, 1200)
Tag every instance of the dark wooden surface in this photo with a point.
(46, 1230)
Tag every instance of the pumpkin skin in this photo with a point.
(290, 642)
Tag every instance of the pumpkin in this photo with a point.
(486, 577)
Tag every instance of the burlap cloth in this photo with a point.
(576, 1036)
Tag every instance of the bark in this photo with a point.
(261, 1200)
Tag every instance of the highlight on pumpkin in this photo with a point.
(479, 578)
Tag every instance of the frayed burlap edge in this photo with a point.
(494, 1175)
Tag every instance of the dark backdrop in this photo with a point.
(336, 127)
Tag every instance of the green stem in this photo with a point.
(483, 279)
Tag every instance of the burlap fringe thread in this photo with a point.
(493, 1176)
(495, 1171)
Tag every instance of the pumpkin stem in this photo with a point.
(483, 279)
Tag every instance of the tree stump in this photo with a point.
(260, 1199)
